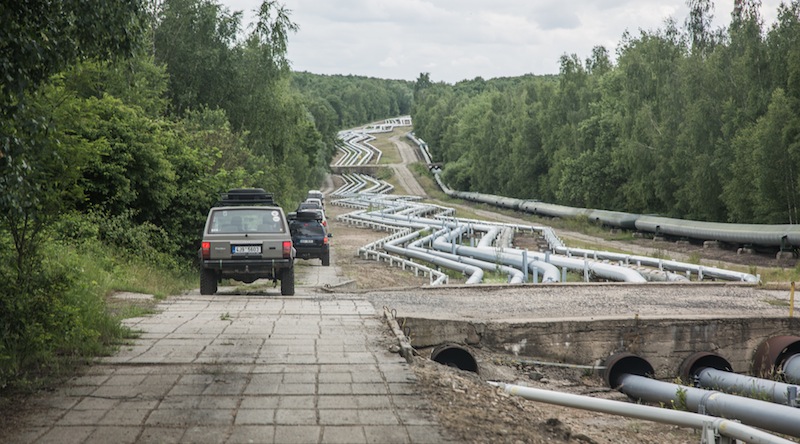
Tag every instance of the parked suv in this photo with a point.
(246, 237)
(309, 236)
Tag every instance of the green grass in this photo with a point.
(67, 315)
(390, 152)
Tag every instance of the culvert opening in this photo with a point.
(455, 356)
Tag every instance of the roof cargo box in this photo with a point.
(245, 196)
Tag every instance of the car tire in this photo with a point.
(326, 259)
(287, 282)
(208, 281)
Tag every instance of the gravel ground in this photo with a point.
(503, 303)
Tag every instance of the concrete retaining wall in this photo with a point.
(665, 343)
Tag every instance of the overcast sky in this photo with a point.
(455, 40)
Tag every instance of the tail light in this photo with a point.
(287, 249)
(206, 250)
(324, 240)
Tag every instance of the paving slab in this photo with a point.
(256, 368)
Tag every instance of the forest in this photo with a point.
(686, 121)
(113, 145)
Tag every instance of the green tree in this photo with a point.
(764, 188)
(40, 167)
(194, 39)
(36, 41)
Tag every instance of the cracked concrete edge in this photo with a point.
(406, 350)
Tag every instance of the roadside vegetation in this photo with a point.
(114, 144)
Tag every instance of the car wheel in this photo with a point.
(326, 259)
(287, 282)
(208, 281)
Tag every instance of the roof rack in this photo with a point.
(308, 214)
(245, 196)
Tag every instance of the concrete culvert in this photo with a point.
(696, 362)
(625, 363)
(455, 356)
(778, 356)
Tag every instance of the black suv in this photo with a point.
(309, 237)
(246, 237)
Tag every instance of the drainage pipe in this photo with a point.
(778, 356)
(721, 426)
(625, 372)
(711, 371)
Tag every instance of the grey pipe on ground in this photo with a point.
(749, 386)
(709, 425)
(765, 415)
(791, 369)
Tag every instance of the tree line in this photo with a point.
(688, 122)
(120, 123)
(346, 101)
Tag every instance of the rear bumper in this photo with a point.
(311, 252)
(247, 266)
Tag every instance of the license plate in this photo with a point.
(246, 249)
(306, 241)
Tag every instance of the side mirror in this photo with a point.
(330, 234)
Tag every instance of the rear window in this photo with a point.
(249, 220)
(309, 206)
(307, 228)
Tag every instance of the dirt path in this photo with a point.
(402, 173)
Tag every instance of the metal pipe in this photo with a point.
(791, 369)
(488, 238)
(722, 426)
(765, 415)
(514, 275)
(475, 273)
(550, 272)
(607, 271)
(749, 386)
(665, 264)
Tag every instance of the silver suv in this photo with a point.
(246, 237)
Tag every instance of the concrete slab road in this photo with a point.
(231, 368)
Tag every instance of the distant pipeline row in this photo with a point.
(784, 236)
